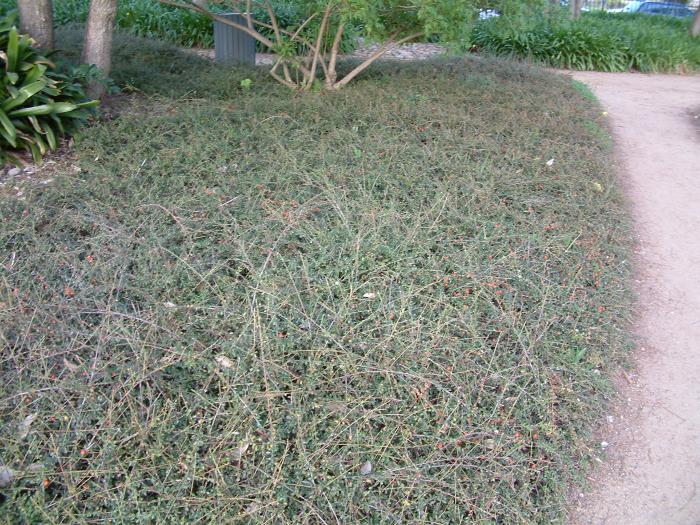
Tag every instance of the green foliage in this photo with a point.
(149, 18)
(246, 295)
(597, 41)
(291, 14)
(87, 74)
(452, 19)
(300, 23)
(37, 104)
(152, 19)
(142, 17)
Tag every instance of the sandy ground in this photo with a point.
(650, 471)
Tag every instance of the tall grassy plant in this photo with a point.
(596, 41)
(37, 104)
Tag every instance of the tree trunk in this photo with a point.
(36, 20)
(575, 8)
(695, 26)
(97, 49)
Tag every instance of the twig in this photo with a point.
(377, 54)
(317, 48)
(278, 37)
(332, 76)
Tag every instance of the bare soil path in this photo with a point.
(650, 472)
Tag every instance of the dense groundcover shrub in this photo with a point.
(247, 296)
(598, 41)
(37, 104)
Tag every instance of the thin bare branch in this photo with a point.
(283, 81)
(273, 19)
(331, 74)
(273, 73)
(374, 56)
(302, 26)
(317, 47)
(249, 13)
(278, 37)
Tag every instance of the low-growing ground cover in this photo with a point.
(397, 303)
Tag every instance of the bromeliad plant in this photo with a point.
(37, 104)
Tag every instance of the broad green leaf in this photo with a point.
(42, 145)
(36, 154)
(10, 140)
(46, 62)
(8, 127)
(59, 123)
(89, 104)
(50, 136)
(43, 109)
(35, 73)
(35, 123)
(12, 50)
(24, 94)
(63, 107)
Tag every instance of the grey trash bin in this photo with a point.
(231, 45)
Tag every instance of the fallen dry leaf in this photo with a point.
(224, 361)
(23, 427)
(366, 468)
(239, 452)
(70, 366)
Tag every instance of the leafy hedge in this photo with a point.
(598, 41)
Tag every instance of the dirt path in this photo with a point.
(650, 473)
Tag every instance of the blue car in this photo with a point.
(658, 8)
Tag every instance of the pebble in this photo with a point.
(6, 476)
(13, 172)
